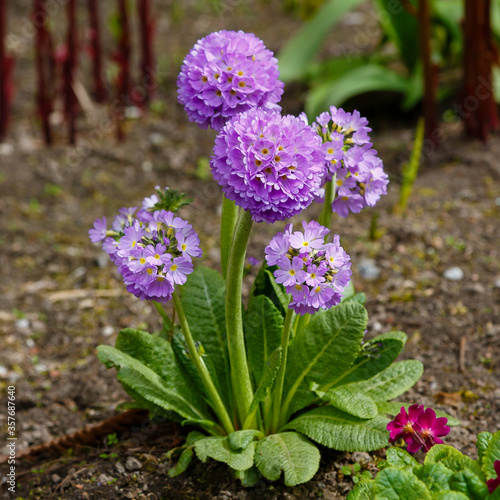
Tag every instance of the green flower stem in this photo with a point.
(302, 322)
(227, 225)
(163, 314)
(325, 218)
(240, 375)
(280, 378)
(217, 404)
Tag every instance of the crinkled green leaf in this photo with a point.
(491, 455)
(289, 452)
(204, 303)
(483, 441)
(350, 400)
(434, 476)
(377, 354)
(394, 407)
(469, 484)
(218, 448)
(393, 381)
(398, 457)
(182, 464)
(263, 325)
(239, 440)
(322, 352)
(399, 484)
(449, 495)
(266, 285)
(248, 477)
(362, 491)
(451, 458)
(338, 430)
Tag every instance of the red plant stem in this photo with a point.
(147, 57)
(44, 59)
(69, 71)
(3, 72)
(95, 40)
(430, 70)
(478, 110)
(124, 49)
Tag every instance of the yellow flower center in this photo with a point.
(183, 246)
(277, 159)
(142, 260)
(204, 79)
(329, 151)
(292, 272)
(241, 84)
(173, 267)
(298, 287)
(339, 182)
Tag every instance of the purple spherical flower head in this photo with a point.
(268, 164)
(494, 483)
(226, 73)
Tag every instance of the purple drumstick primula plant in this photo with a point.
(226, 73)
(268, 164)
(314, 273)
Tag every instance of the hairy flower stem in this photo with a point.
(240, 375)
(280, 378)
(216, 401)
(325, 218)
(228, 223)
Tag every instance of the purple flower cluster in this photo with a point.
(225, 73)
(357, 171)
(270, 165)
(419, 428)
(153, 250)
(313, 272)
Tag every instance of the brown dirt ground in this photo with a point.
(60, 298)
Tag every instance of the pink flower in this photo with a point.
(494, 483)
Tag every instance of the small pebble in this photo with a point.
(107, 331)
(132, 464)
(156, 139)
(6, 149)
(3, 371)
(497, 283)
(368, 269)
(497, 201)
(120, 468)
(56, 478)
(23, 323)
(104, 479)
(454, 274)
(133, 113)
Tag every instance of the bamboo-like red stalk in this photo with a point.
(430, 70)
(3, 72)
(96, 48)
(147, 55)
(124, 49)
(479, 109)
(69, 71)
(44, 61)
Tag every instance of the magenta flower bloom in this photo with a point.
(226, 73)
(315, 277)
(493, 484)
(430, 428)
(402, 427)
(268, 164)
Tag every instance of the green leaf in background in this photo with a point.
(449, 495)
(399, 484)
(263, 325)
(394, 407)
(182, 464)
(362, 491)
(289, 452)
(248, 477)
(240, 440)
(265, 284)
(469, 484)
(483, 441)
(368, 78)
(451, 458)
(398, 457)
(434, 476)
(377, 354)
(491, 455)
(393, 381)
(297, 54)
(218, 448)
(203, 300)
(338, 430)
(352, 401)
(322, 352)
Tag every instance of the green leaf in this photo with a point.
(278, 290)
(377, 354)
(338, 430)
(149, 385)
(240, 440)
(392, 382)
(470, 484)
(289, 452)
(483, 441)
(450, 495)
(398, 457)
(298, 52)
(394, 407)
(218, 448)
(451, 458)
(182, 464)
(263, 325)
(322, 352)
(248, 477)
(399, 484)
(434, 476)
(265, 284)
(491, 455)
(362, 491)
(266, 383)
(203, 300)
(350, 400)
(369, 78)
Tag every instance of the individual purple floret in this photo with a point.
(152, 249)
(313, 272)
(268, 164)
(493, 484)
(357, 171)
(225, 73)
